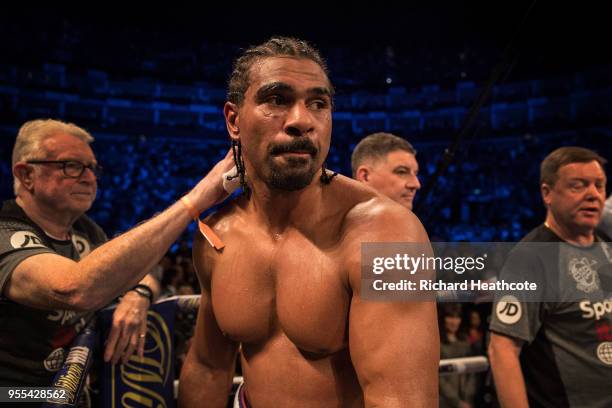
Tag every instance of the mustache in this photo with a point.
(301, 145)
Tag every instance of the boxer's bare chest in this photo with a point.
(287, 283)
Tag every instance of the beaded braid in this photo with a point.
(239, 162)
(325, 177)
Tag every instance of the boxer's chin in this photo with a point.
(292, 174)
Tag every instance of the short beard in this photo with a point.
(295, 176)
(298, 172)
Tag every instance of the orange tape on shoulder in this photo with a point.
(212, 238)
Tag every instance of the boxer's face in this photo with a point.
(284, 123)
(577, 198)
(52, 188)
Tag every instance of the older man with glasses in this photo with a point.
(72, 168)
(56, 266)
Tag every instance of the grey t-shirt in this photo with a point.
(33, 342)
(567, 358)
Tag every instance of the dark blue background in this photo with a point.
(150, 86)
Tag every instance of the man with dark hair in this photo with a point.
(558, 352)
(388, 164)
(286, 289)
(549, 169)
(56, 267)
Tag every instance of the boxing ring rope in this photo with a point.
(80, 358)
(463, 365)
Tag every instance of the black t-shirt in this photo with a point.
(34, 342)
(567, 358)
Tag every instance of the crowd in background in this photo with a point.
(488, 193)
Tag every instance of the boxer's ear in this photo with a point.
(231, 113)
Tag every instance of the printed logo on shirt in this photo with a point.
(604, 352)
(81, 244)
(26, 239)
(54, 360)
(596, 310)
(587, 280)
(603, 330)
(508, 310)
(63, 317)
(605, 246)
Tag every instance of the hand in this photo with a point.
(209, 191)
(128, 330)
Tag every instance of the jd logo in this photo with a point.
(81, 244)
(26, 239)
(508, 310)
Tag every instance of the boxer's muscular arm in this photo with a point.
(394, 346)
(509, 382)
(50, 281)
(209, 367)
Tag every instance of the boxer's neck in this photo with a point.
(279, 209)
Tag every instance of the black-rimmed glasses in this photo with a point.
(72, 168)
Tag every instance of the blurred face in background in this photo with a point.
(576, 200)
(394, 177)
(474, 319)
(452, 323)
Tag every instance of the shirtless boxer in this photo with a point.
(286, 287)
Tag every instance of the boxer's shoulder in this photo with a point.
(379, 213)
(229, 223)
(229, 219)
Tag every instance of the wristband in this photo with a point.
(212, 238)
(144, 291)
(190, 208)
